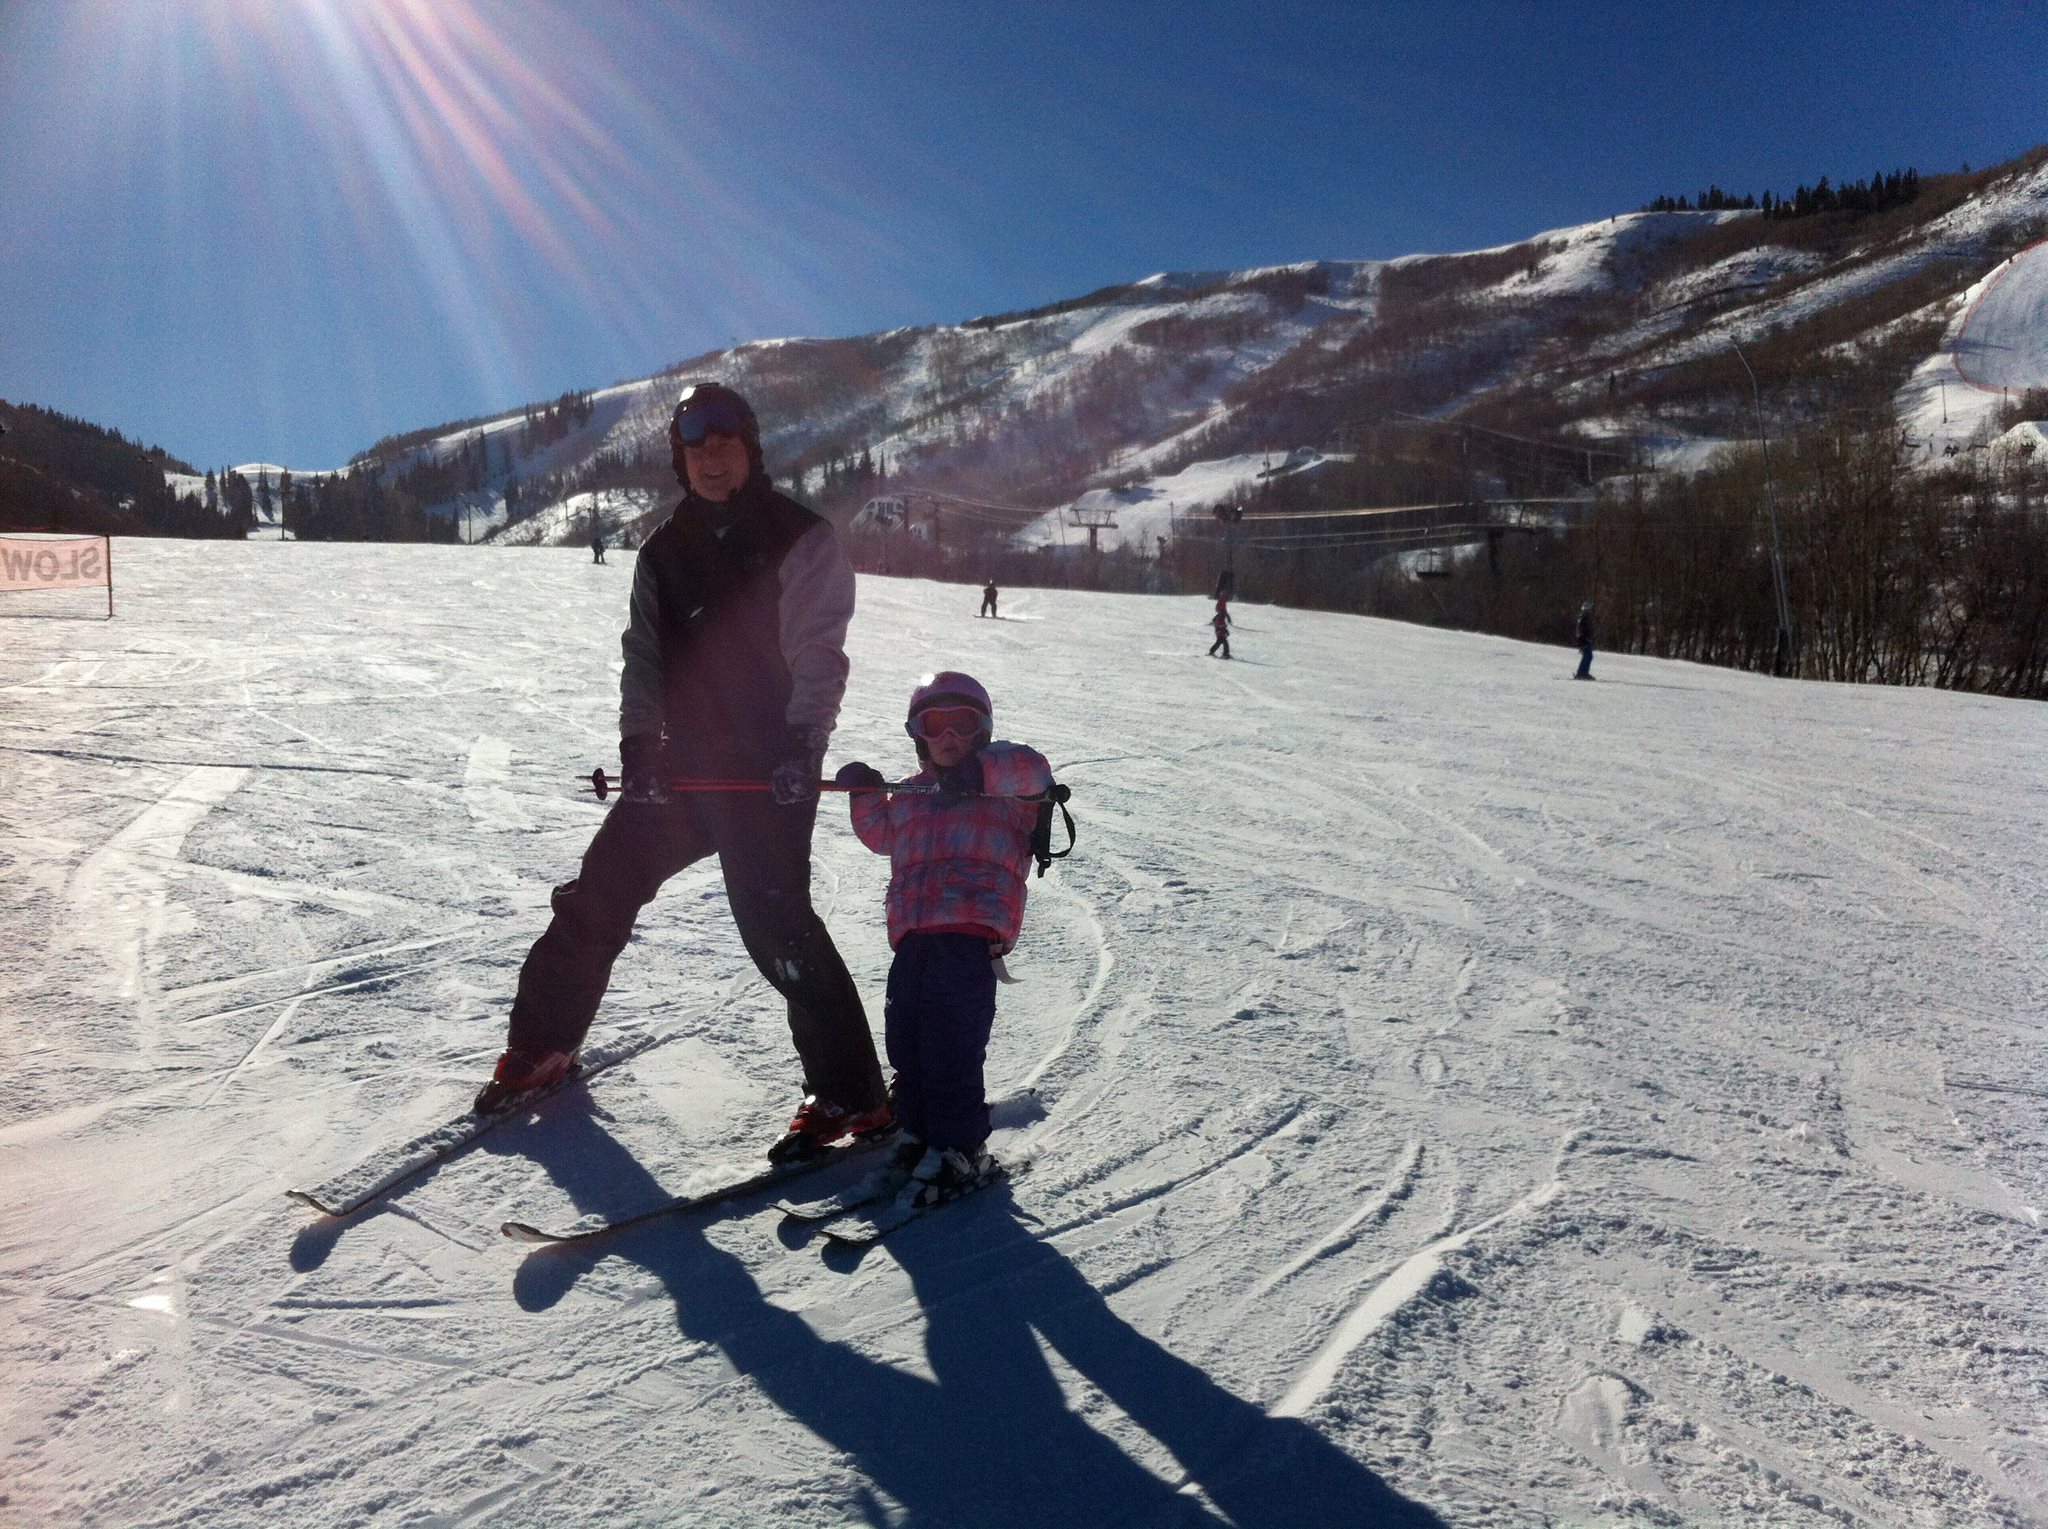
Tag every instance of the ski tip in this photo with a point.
(519, 1231)
(301, 1197)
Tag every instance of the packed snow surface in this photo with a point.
(2004, 338)
(1462, 1095)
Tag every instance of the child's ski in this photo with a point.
(889, 1180)
(871, 1224)
(386, 1170)
(885, 1183)
(593, 1227)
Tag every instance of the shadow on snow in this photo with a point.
(991, 1439)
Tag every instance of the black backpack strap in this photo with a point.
(1055, 795)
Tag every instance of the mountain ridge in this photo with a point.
(1616, 334)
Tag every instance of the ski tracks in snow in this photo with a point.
(117, 903)
(1546, 1095)
(1411, 1278)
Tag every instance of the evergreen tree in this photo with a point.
(240, 499)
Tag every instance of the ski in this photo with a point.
(593, 1227)
(383, 1172)
(885, 1183)
(869, 1225)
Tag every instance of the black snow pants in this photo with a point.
(940, 1010)
(764, 851)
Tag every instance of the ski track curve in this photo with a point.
(117, 899)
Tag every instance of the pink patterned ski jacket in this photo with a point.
(958, 865)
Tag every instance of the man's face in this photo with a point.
(717, 469)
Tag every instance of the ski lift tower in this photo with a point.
(1230, 515)
(1093, 521)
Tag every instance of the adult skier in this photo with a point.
(988, 599)
(735, 665)
(1585, 642)
(597, 546)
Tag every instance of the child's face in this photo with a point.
(948, 749)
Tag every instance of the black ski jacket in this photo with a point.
(737, 631)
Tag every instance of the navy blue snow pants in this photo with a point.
(940, 1008)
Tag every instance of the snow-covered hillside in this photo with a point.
(2003, 340)
(1614, 333)
(1997, 344)
(570, 521)
(1136, 516)
(1462, 1095)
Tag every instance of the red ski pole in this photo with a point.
(604, 785)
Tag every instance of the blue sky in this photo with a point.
(280, 229)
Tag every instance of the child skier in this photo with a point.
(957, 865)
(1220, 625)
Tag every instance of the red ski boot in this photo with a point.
(819, 1123)
(519, 1072)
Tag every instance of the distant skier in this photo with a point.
(597, 547)
(1585, 642)
(1220, 624)
(735, 665)
(957, 874)
(988, 599)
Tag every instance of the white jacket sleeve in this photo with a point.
(817, 608)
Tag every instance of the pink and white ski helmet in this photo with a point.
(949, 687)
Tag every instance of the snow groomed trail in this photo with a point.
(1461, 1095)
(2002, 343)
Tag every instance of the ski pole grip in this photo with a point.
(598, 782)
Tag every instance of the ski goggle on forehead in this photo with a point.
(934, 724)
(698, 418)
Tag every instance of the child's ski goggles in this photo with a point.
(962, 721)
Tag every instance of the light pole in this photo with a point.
(1787, 654)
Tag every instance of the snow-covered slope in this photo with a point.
(1612, 331)
(2003, 340)
(1996, 346)
(1137, 515)
(1463, 1095)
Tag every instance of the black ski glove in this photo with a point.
(796, 778)
(859, 777)
(642, 764)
